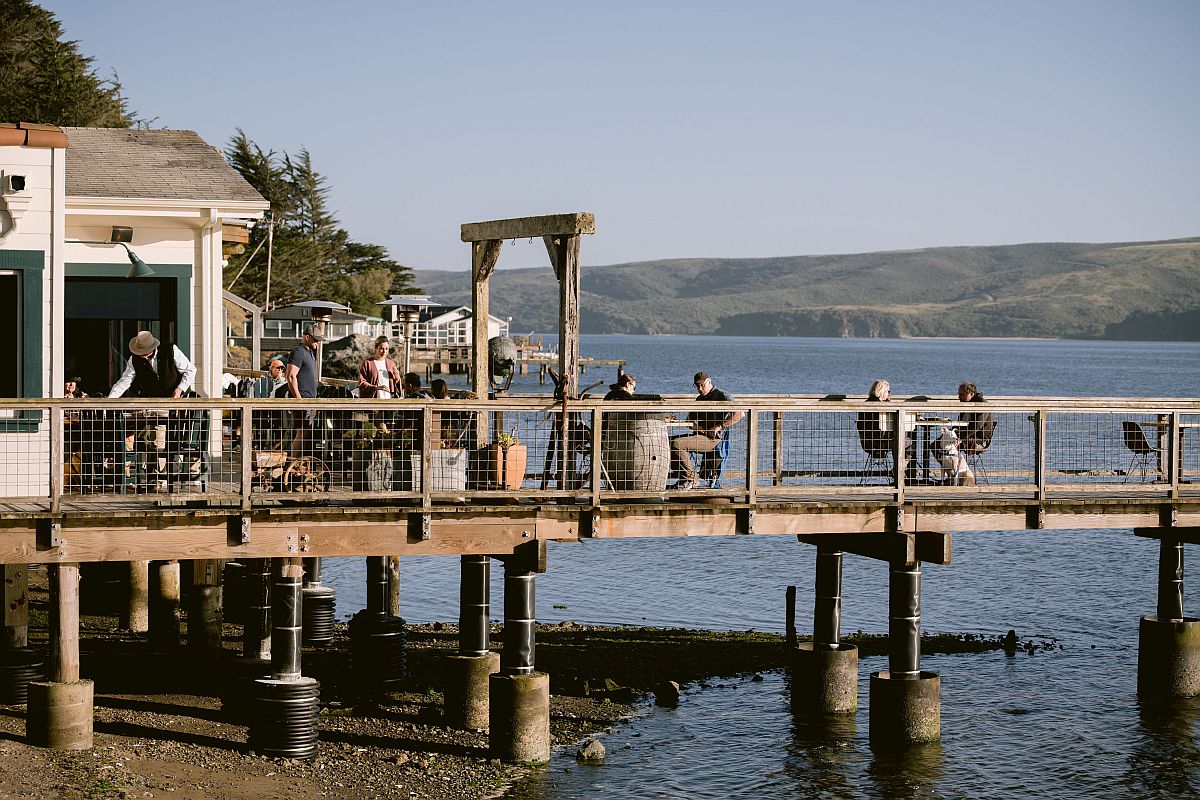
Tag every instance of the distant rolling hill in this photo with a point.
(1128, 290)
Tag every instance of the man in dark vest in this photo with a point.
(154, 370)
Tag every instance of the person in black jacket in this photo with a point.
(154, 370)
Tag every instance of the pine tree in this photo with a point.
(312, 258)
(46, 80)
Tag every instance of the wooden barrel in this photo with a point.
(637, 452)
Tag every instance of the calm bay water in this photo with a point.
(1064, 724)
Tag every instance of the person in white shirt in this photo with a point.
(154, 370)
(379, 377)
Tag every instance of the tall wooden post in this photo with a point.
(60, 709)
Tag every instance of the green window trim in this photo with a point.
(182, 273)
(31, 265)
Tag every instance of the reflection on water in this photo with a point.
(913, 773)
(1165, 759)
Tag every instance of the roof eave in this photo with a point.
(245, 209)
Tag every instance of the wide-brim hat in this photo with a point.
(143, 344)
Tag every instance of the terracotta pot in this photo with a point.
(507, 465)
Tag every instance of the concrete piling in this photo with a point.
(1169, 642)
(468, 672)
(519, 702)
(825, 671)
(905, 701)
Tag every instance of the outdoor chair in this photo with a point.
(1136, 442)
(977, 445)
(712, 463)
(876, 443)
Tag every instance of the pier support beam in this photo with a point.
(825, 671)
(469, 671)
(164, 605)
(393, 565)
(519, 702)
(378, 656)
(905, 702)
(135, 611)
(60, 710)
(1169, 642)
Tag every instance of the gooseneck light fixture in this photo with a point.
(123, 235)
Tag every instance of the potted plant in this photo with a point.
(371, 454)
(507, 459)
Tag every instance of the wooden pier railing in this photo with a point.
(792, 464)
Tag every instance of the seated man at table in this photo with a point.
(709, 427)
(977, 434)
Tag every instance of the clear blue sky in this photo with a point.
(693, 129)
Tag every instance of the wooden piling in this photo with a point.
(16, 606)
(135, 611)
(164, 604)
(204, 607)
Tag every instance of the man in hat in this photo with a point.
(154, 370)
(709, 427)
(302, 380)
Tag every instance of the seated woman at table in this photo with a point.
(877, 431)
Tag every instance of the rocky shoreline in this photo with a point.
(160, 730)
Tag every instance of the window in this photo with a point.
(280, 328)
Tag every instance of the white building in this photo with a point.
(66, 306)
(450, 326)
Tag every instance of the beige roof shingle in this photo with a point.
(150, 164)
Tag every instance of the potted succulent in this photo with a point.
(507, 459)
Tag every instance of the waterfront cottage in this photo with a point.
(76, 206)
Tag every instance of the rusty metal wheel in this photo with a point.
(306, 474)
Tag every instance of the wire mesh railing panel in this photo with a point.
(1189, 448)
(999, 447)
(24, 452)
(1096, 448)
(130, 452)
(824, 448)
(525, 450)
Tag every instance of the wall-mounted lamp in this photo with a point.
(122, 235)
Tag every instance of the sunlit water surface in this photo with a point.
(1060, 724)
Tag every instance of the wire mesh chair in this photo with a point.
(878, 444)
(1136, 442)
(976, 441)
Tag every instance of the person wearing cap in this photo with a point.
(276, 383)
(302, 381)
(154, 369)
(709, 427)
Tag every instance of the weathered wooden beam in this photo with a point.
(530, 227)
(64, 623)
(483, 261)
(16, 606)
(905, 548)
(1185, 535)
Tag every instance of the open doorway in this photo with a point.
(102, 315)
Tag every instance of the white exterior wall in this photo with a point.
(27, 455)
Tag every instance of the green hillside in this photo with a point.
(1132, 289)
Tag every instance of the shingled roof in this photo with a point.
(150, 164)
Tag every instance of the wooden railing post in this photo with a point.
(57, 461)
(1039, 453)
(1173, 447)
(751, 455)
(777, 448)
(597, 456)
(427, 454)
(898, 462)
(247, 456)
